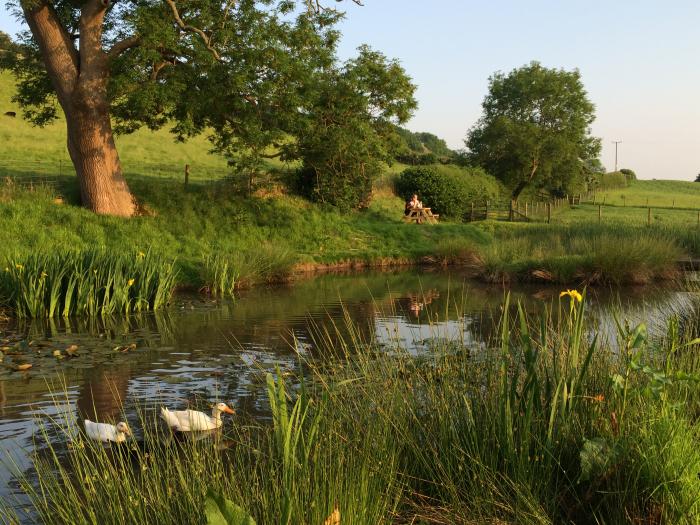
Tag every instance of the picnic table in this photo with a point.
(421, 215)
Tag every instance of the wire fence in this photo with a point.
(24, 172)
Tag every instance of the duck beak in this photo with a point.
(229, 410)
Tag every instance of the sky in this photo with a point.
(639, 61)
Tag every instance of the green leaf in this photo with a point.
(596, 455)
(221, 511)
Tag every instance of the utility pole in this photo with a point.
(616, 142)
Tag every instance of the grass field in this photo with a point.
(28, 150)
(654, 193)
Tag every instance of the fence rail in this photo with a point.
(521, 211)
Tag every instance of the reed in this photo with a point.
(218, 275)
(546, 424)
(92, 283)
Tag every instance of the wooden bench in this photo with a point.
(421, 215)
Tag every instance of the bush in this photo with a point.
(609, 181)
(629, 174)
(448, 190)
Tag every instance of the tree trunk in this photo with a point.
(103, 188)
(523, 183)
(79, 77)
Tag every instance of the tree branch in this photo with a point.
(57, 49)
(316, 7)
(191, 29)
(119, 47)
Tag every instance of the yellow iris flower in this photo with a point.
(130, 282)
(573, 294)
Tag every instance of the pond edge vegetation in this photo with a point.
(545, 424)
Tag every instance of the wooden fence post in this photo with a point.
(187, 174)
(510, 211)
(648, 216)
(600, 209)
(549, 212)
(526, 210)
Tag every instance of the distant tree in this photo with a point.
(697, 179)
(5, 42)
(629, 174)
(237, 67)
(535, 129)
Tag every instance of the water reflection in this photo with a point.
(201, 351)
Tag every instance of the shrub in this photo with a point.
(609, 181)
(629, 174)
(448, 190)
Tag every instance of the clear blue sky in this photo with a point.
(640, 63)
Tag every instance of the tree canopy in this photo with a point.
(535, 129)
(249, 70)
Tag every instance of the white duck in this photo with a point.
(191, 420)
(106, 432)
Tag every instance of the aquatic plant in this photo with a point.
(92, 282)
(218, 275)
(546, 424)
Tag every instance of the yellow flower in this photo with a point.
(19, 266)
(7, 269)
(44, 275)
(130, 282)
(140, 255)
(573, 294)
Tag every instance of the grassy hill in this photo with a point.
(654, 193)
(29, 150)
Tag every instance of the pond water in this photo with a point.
(200, 351)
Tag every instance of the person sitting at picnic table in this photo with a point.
(413, 204)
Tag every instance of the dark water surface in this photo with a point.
(200, 351)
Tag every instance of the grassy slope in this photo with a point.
(28, 150)
(655, 193)
(190, 223)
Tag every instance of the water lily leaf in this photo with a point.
(221, 511)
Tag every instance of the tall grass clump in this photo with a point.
(93, 283)
(545, 424)
(587, 254)
(218, 275)
(268, 264)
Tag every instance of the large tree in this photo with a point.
(195, 63)
(535, 129)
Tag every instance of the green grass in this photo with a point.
(31, 151)
(544, 425)
(654, 193)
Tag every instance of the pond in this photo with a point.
(201, 350)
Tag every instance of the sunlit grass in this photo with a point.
(92, 283)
